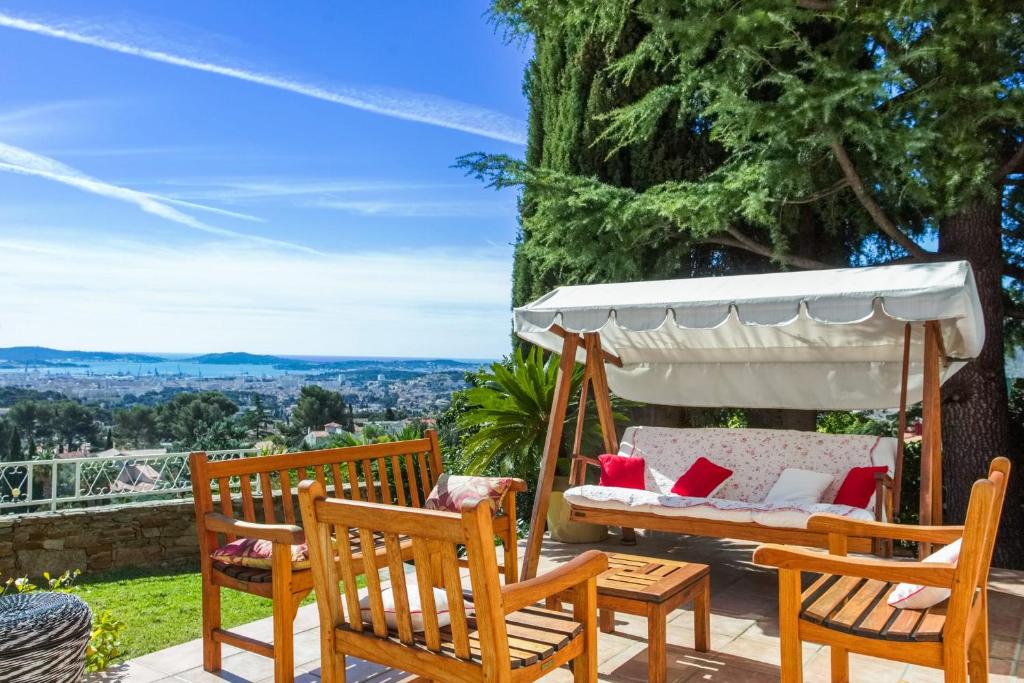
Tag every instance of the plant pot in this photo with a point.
(563, 529)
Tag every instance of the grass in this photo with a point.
(163, 609)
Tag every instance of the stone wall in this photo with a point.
(148, 535)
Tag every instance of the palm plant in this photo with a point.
(507, 420)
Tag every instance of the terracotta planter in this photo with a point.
(563, 529)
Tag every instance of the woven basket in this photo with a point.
(43, 638)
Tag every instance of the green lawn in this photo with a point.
(161, 610)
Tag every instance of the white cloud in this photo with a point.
(418, 209)
(411, 106)
(220, 297)
(23, 162)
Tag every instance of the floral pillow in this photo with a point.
(257, 554)
(452, 492)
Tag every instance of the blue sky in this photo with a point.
(193, 176)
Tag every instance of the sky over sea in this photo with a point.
(273, 178)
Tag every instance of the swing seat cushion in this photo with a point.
(757, 458)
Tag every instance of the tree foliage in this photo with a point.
(318, 406)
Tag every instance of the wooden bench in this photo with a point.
(254, 498)
(495, 633)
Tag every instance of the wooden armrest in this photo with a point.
(886, 480)
(517, 485)
(586, 460)
(289, 534)
(789, 557)
(834, 524)
(569, 575)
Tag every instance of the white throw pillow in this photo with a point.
(798, 486)
(415, 606)
(915, 596)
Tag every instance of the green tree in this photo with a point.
(318, 406)
(13, 451)
(257, 420)
(199, 421)
(137, 427)
(889, 128)
(73, 424)
(507, 417)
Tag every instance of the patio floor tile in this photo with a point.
(744, 634)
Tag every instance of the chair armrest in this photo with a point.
(788, 557)
(834, 524)
(586, 460)
(289, 534)
(569, 575)
(517, 485)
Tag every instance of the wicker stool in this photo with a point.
(43, 638)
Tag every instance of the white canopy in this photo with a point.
(824, 339)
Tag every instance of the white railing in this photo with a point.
(38, 485)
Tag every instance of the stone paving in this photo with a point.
(744, 640)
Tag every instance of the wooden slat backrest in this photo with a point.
(434, 537)
(980, 527)
(398, 472)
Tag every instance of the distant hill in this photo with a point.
(40, 354)
(242, 358)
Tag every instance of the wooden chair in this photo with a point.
(846, 608)
(255, 499)
(503, 638)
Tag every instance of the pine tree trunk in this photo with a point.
(974, 401)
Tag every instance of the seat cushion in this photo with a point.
(453, 491)
(257, 553)
(789, 515)
(412, 592)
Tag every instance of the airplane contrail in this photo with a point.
(410, 106)
(23, 162)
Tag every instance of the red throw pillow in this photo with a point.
(623, 471)
(701, 479)
(858, 487)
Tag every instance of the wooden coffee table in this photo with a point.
(650, 587)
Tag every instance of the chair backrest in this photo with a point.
(980, 528)
(397, 473)
(435, 537)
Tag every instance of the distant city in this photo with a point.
(410, 386)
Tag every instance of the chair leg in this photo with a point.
(954, 665)
(284, 615)
(789, 627)
(840, 661)
(977, 652)
(211, 621)
(584, 609)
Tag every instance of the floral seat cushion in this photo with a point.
(257, 553)
(453, 491)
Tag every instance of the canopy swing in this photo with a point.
(848, 339)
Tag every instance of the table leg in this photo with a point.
(656, 635)
(702, 618)
(607, 621)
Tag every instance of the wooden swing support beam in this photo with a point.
(595, 379)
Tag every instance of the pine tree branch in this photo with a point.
(1014, 164)
(815, 196)
(872, 207)
(738, 240)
